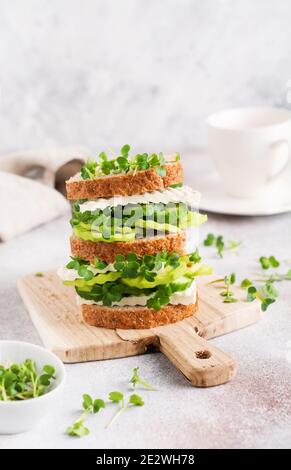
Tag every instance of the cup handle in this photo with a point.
(287, 165)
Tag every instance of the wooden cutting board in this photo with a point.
(57, 318)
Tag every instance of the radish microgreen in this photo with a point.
(226, 293)
(90, 406)
(218, 242)
(269, 262)
(124, 163)
(23, 381)
(118, 397)
(267, 294)
(136, 380)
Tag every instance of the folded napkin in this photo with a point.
(32, 185)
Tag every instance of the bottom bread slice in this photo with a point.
(135, 317)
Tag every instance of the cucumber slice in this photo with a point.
(181, 284)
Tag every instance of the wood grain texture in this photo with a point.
(57, 318)
(201, 363)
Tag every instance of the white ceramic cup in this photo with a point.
(251, 147)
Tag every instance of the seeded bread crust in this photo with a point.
(173, 243)
(135, 317)
(125, 184)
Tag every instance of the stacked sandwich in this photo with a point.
(130, 219)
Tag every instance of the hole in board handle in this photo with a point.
(203, 354)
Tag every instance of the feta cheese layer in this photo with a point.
(184, 194)
(71, 274)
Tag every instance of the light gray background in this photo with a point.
(146, 72)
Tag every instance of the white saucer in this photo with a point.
(275, 201)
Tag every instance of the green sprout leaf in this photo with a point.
(86, 273)
(125, 149)
(99, 264)
(268, 262)
(87, 401)
(49, 370)
(88, 171)
(116, 397)
(136, 380)
(266, 303)
(220, 245)
(195, 257)
(98, 404)
(245, 283)
(252, 294)
(267, 294)
(269, 290)
(136, 400)
(78, 429)
(209, 240)
(90, 406)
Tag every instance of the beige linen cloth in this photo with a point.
(32, 187)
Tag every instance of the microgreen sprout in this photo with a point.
(23, 381)
(226, 293)
(269, 262)
(136, 380)
(220, 244)
(90, 406)
(266, 294)
(118, 397)
(195, 257)
(275, 277)
(262, 287)
(123, 163)
(78, 428)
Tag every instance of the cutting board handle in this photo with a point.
(201, 363)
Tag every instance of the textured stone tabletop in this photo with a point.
(254, 410)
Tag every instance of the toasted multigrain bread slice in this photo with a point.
(87, 250)
(135, 317)
(125, 184)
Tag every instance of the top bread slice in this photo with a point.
(125, 184)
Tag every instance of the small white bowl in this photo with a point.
(20, 416)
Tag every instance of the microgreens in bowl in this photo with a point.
(23, 381)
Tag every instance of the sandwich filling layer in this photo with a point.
(186, 297)
(132, 221)
(152, 281)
